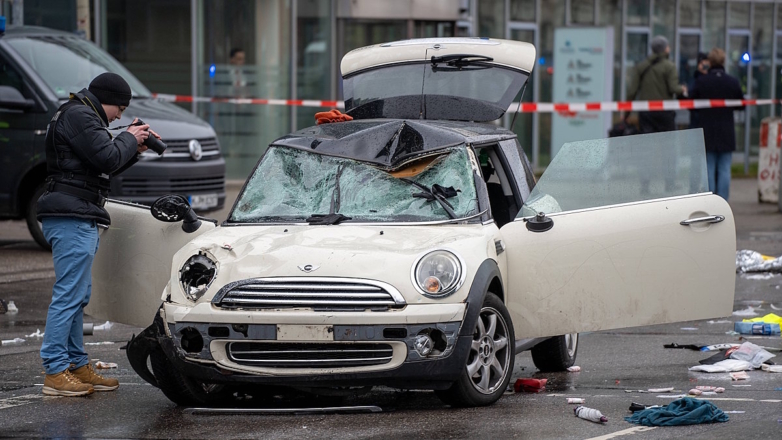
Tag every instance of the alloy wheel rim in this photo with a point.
(489, 357)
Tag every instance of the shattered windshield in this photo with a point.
(293, 185)
(603, 172)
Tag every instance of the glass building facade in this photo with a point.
(290, 49)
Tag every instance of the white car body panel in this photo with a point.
(621, 266)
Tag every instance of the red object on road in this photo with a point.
(530, 385)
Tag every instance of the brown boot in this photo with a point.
(65, 384)
(87, 374)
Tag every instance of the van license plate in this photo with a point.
(202, 201)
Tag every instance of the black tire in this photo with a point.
(465, 392)
(183, 390)
(32, 222)
(556, 354)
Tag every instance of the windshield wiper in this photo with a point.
(436, 193)
(332, 218)
(459, 60)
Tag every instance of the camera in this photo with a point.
(152, 142)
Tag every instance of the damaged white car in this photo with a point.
(412, 247)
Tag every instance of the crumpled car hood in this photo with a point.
(383, 253)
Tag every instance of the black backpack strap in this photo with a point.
(641, 77)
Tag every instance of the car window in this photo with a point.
(9, 76)
(68, 64)
(603, 172)
(291, 184)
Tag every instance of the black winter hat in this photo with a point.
(110, 89)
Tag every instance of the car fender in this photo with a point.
(487, 271)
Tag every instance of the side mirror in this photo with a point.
(12, 99)
(173, 208)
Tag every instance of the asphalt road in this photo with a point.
(612, 362)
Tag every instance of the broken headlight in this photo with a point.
(196, 275)
(438, 274)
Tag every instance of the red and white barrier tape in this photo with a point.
(526, 107)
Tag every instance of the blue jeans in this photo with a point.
(718, 166)
(74, 244)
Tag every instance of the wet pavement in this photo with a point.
(612, 362)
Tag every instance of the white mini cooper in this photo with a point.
(412, 247)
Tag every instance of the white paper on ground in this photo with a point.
(772, 368)
(725, 366)
(749, 311)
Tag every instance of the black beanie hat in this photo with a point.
(110, 89)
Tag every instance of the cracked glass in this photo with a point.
(604, 172)
(292, 184)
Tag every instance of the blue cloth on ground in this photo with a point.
(685, 411)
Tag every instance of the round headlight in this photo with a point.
(196, 275)
(438, 274)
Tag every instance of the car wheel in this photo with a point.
(181, 389)
(32, 222)
(490, 361)
(557, 353)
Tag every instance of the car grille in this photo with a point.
(317, 293)
(187, 185)
(308, 355)
(179, 150)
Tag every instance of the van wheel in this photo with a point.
(490, 362)
(183, 390)
(33, 224)
(556, 354)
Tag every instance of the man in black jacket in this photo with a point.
(718, 126)
(81, 157)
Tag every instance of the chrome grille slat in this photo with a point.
(328, 293)
(306, 355)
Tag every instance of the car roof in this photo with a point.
(515, 54)
(35, 31)
(390, 143)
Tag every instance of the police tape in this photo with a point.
(525, 107)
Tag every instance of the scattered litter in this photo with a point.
(99, 343)
(725, 366)
(590, 414)
(749, 311)
(751, 261)
(739, 375)
(12, 309)
(756, 328)
(741, 386)
(765, 276)
(575, 400)
(695, 392)
(105, 326)
(14, 341)
(778, 389)
(574, 369)
(732, 333)
(771, 318)
(775, 307)
(635, 407)
(689, 328)
(716, 347)
(771, 368)
(684, 411)
(721, 321)
(751, 353)
(734, 412)
(104, 365)
(530, 385)
(660, 390)
(710, 388)
(37, 334)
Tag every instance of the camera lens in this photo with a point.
(155, 144)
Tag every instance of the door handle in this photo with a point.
(707, 219)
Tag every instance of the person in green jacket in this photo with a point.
(655, 78)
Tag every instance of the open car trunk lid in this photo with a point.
(460, 79)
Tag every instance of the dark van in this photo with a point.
(38, 69)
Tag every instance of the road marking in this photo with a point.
(11, 402)
(624, 432)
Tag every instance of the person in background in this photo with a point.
(717, 123)
(701, 69)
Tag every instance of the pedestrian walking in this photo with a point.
(656, 79)
(81, 158)
(719, 133)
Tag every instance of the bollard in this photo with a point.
(87, 328)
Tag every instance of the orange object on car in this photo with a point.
(332, 115)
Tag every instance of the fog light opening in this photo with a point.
(440, 341)
(423, 344)
(192, 342)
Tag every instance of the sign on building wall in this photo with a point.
(583, 72)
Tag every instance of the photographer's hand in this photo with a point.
(152, 132)
(140, 132)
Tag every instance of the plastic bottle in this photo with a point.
(591, 414)
(14, 341)
(12, 308)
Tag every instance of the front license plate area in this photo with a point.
(287, 332)
(203, 201)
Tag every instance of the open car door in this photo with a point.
(621, 232)
(133, 264)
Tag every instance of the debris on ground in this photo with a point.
(710, 388)
(14, 341)
(751, 353)
(37, 334)
(652, 390)
(574, 369)
(749, 311)
(11, 308)
(105, 326)
(756, 328)
(751, 261)
(105, 365)
(530, 385)
(99, 343)
(695, 392)
(591, 414)
(725, 366)
(739, 375)
(575, 400)
(771, 368)
(684, 411)
(635, 407)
